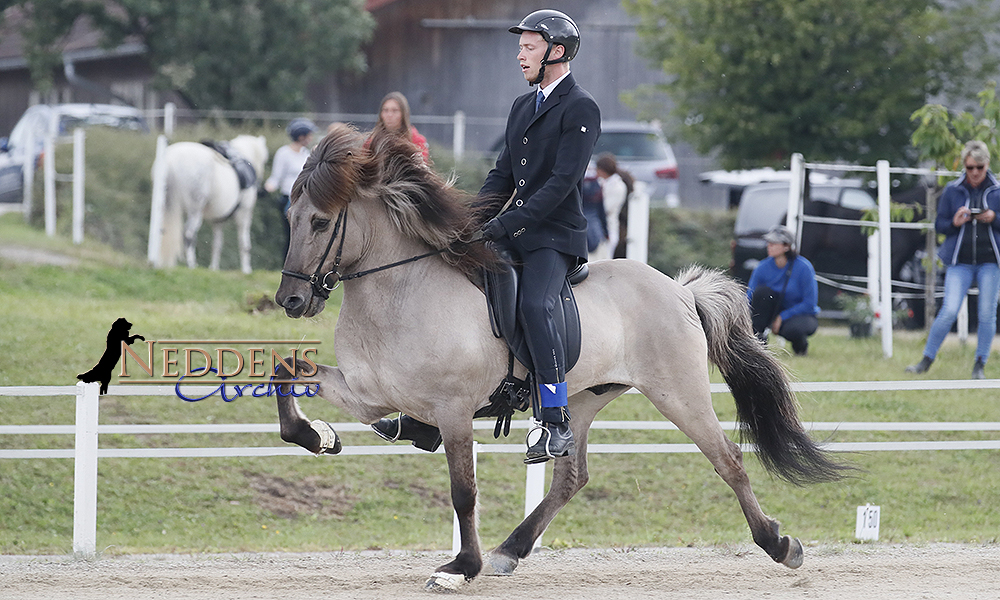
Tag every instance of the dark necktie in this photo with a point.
(538, 100)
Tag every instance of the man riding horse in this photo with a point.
(549, 138)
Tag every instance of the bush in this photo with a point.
(681, 237)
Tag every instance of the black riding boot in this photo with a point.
(424, 436)
(556, 437)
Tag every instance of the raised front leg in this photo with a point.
(468, 562)
(317, 437)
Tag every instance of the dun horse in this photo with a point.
(203, 184)
(416, 338)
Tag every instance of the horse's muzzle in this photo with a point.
(297, 304)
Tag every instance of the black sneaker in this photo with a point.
(978, 370)
(424, 436)
(556, 441)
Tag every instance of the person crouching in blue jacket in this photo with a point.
(783, 291)
(966, 215)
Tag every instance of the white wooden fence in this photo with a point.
(50, 177)
(879, 248)
(87, 429)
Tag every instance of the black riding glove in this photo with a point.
(493, 230)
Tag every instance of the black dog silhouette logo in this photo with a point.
(109, 360)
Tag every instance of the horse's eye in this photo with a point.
(320, 225)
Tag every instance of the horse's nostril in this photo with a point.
(293, 302)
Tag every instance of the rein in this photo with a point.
(319, 283)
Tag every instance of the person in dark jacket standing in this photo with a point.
(966, 215)
(548, 142)
(549, 139)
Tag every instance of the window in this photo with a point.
(856, 199)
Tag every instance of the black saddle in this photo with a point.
(245, 172)
(502, 289)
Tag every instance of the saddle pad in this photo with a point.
(245, 172)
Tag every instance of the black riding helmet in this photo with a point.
(556, 28)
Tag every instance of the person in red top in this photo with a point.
(394, 117)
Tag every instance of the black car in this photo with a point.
(838, 252)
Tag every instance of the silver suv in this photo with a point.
(642, 150)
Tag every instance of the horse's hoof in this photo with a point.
(329, 441)
(444, 582)
(793, 560)
(498, 565)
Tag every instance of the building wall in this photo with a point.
(445, 67)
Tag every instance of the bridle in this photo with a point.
(319, 281)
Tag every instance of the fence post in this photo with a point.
(931, 268)
(534, 491)
(637, 234)
(795, 188)
(458, 136)
(456, 533)
(885, 264)
(873, 267)
(79, 172)
(28, 170)
(169, 115)
(50, 181)
(85, 470)
(158, 203)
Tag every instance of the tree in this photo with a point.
(755, 80)
(941, 133)
(229, 54)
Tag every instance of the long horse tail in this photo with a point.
(171, 243)
(765, 405)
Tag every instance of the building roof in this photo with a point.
(81, 44)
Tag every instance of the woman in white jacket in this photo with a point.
(615, 193)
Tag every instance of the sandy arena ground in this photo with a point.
(868, 572)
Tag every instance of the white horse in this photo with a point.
(203, 185)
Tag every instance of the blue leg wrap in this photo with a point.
(552, 395)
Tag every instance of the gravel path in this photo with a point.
(868, 572)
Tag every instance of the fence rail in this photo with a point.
(87, 429)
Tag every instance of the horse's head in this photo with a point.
(318, 218)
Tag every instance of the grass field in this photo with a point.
(52, 326)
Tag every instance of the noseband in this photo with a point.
(318, 280)
(319, 283)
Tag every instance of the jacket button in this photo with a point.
(524, 161)
(521, 183)
(525, 141)
(519, 232)
(519, 202)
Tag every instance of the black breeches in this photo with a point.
(543, 273)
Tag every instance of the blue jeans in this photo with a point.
(957, 280)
